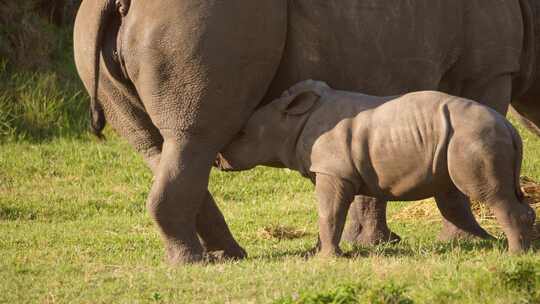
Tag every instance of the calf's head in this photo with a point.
(270, 134)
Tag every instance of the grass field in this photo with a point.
(73, 229)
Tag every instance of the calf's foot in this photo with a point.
(334, 196)
(517, 220)
(367, 223)
(376, 236)
(330, 253)
(451, 232)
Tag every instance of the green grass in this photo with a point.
(73, 229)
(41, 96)
(33, 107)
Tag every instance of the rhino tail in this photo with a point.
(107, 9)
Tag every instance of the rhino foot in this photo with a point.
(453, 233)
(225, 255)
(237, 253)
(370, 238)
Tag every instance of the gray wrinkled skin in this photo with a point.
(178, 79)
(411, 147)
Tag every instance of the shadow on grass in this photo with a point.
(404, 249)
(436, 248)
(8, 213)
(535, 246)
(278, 256)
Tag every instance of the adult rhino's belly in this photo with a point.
(376, 47)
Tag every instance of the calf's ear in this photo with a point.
(298, 104)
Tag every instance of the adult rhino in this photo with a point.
(179, 78)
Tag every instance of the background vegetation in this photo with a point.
(41, 96)
(73, 226)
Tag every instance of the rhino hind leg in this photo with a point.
(496, 93)
(134, 124)
(492, 176)
(214, 233)
(184, 82)
(367, 223)
(459, 221)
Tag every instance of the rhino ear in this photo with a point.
(299, 104)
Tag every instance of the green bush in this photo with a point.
(388, 293)
(522, 276)
(40, 94)
(38, 105)
(26, 40)
(341, 295)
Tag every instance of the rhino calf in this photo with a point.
(409, 147)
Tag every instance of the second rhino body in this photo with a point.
(352, 144)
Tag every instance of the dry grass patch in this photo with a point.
(280, 232)
(531, 189)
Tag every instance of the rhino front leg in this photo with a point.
(367, 222)
(334, 196)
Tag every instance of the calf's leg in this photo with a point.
(516, 220)
(485, 166)
(334, 196)
(458, 222)
(496, 93)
